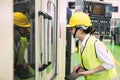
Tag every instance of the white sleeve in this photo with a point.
(104, 56)
(26, 55)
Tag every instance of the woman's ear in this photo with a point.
(81, 30)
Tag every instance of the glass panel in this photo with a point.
(24, 40)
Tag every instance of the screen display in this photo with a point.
(97, 9)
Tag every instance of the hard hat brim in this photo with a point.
(69, 26)
(25, 26)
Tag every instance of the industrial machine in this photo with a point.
(100, 14)
(117, 35)
(50, 43)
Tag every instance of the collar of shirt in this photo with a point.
(84, 40)
(17, 46)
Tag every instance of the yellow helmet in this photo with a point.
(21, 20)
(79, 19)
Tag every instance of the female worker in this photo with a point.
(95, 58)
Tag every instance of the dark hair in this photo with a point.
(90, 30)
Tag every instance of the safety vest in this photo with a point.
(19, 57)
(89, 61)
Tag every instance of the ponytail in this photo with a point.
(90, 30)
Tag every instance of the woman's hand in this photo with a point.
(25, 65)
(95, 70)
(76, 68)
(84, 73)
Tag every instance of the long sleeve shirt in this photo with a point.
(101, 53)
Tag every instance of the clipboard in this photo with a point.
(74, 75)
(22, 73)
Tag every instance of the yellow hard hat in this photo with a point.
(79, 19)
(21, 20)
